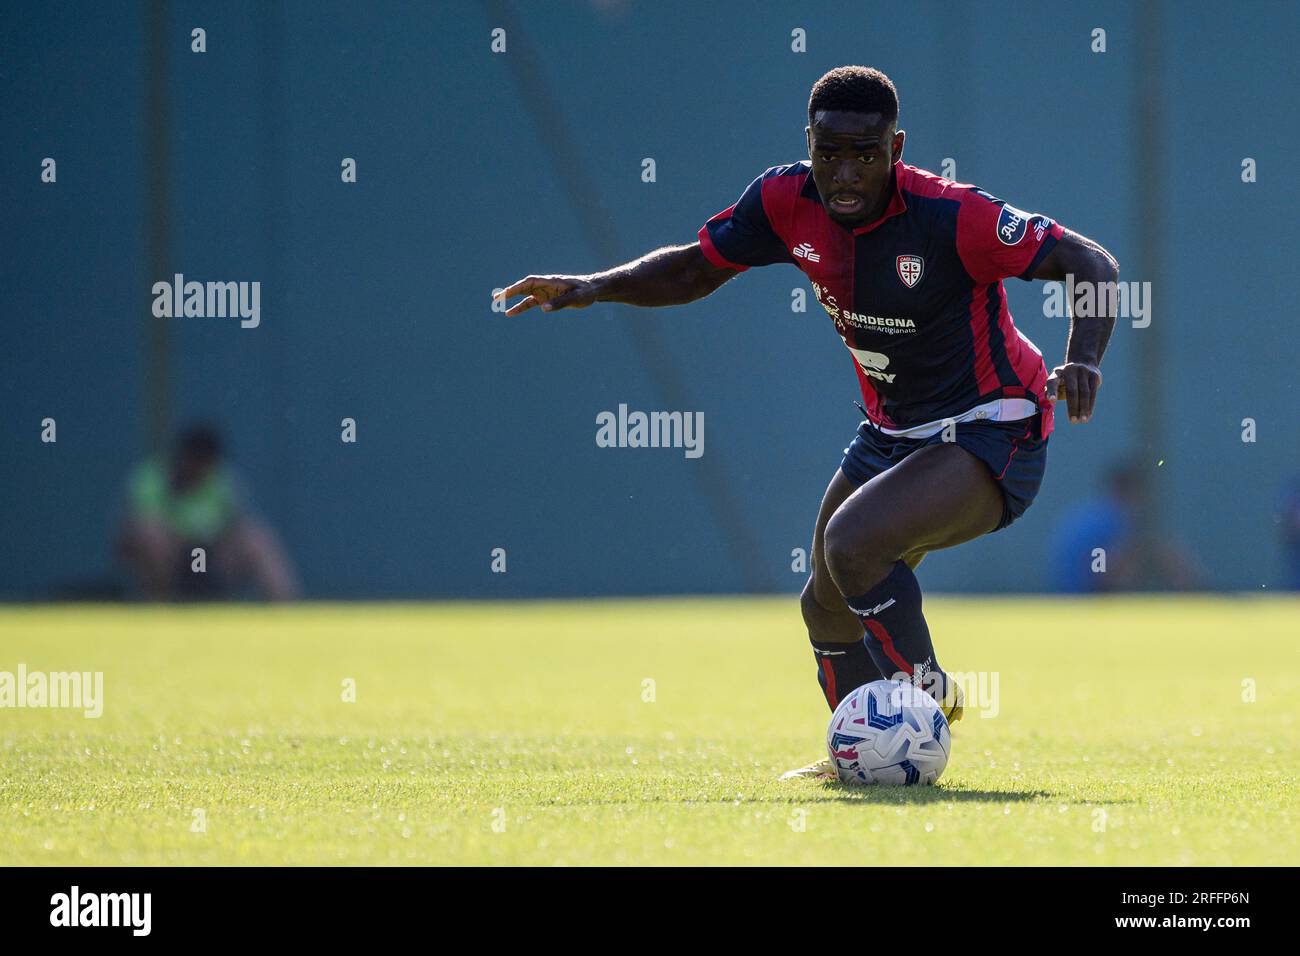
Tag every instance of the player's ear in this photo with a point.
(807, 134)
(897, 149)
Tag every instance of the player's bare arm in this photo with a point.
(673, 275)
(1079, 378)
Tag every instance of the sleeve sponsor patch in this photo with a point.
(1012, 225)
(996, 240)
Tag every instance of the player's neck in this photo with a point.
(881, 205)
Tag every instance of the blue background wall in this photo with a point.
(477, 431)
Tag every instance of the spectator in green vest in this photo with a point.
(190, 500)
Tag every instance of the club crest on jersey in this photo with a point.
(910, 269)
(1012, 223)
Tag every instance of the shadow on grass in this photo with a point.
(848, 793)
(835, 792)
(898, 796)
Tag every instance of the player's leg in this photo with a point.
(836, 632)
(938, 496)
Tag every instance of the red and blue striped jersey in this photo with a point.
(916, 296)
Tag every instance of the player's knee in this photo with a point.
(855, 551)
(813, 610)
(826, 615)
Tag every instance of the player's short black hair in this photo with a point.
(856, 89)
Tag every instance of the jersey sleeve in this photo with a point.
(996, 240)
(742, 235)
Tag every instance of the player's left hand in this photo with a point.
(1077, 383)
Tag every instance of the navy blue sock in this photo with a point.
(897, 637)
(842, 668)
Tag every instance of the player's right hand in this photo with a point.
(1075, 383)
(551, 293)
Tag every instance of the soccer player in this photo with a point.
(958, 403)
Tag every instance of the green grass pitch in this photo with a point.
(527, 733)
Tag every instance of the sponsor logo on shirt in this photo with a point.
(805, 251)
(1011, 225)
(878, 323)
(871, 323)
(873, 364)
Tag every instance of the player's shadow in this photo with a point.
(898, 796)
(848, 793)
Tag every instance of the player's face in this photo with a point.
(852, 157)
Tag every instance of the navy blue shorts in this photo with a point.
(1013, 452)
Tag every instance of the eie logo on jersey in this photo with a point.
(1011, 225)
(910, 269)
(805, 251)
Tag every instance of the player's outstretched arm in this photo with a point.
(673, 275)
(1079, 378)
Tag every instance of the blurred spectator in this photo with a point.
(1113, 522)
(1289, 521)
(189, 500)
